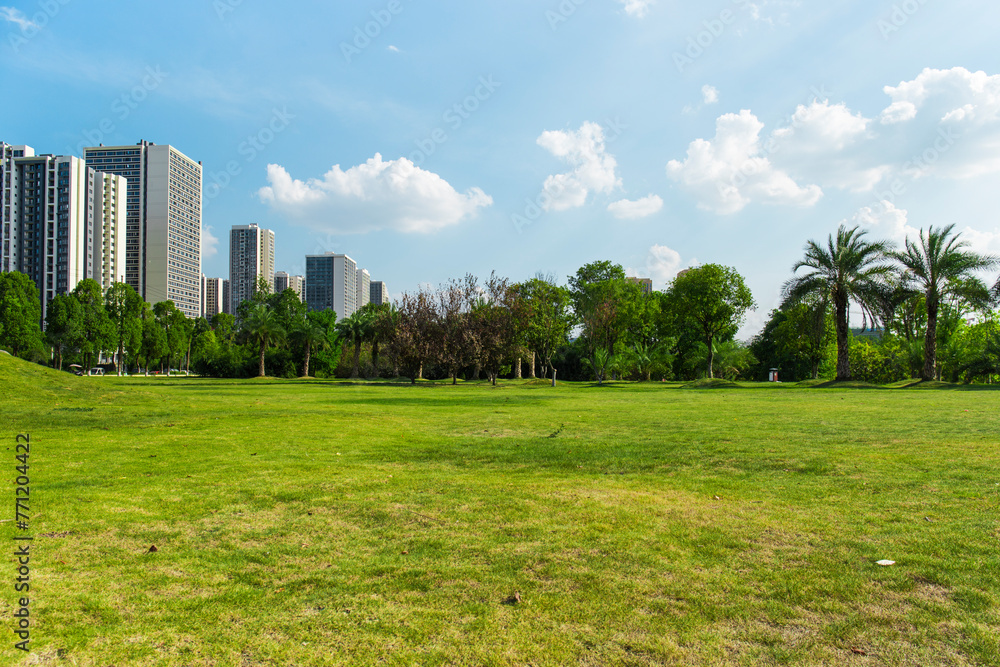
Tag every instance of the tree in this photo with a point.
(805, 334)
(20, 313)
(64, 325)
(96, 327)
(312, 336)
(715, 299)
(498, 319)
(354, 330)
(262, 329)
(414, 339)
(849, 269)
(124, 307)
(381, 328)
(549, 319)
(177, 328)
(154, 339)
(605, 304)
(458, 344)
(939, 266)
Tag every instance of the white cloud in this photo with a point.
(594, 168)
(15, 16)
(828, 144)
(709, 94)
(732, 170)
(394, 49)
(634, 210)
(209, 243)
(953, 95)
(394, 195)
(883, 221)
(662, 265)
(637, 8)
(822, 127)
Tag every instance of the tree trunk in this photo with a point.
(263, 348)
(454, 378)
(375, 357)
(475, 373)
(815, 370)
(649, 375)
(420, 371)
(532, 371)
(711, 357)
(930, 339)
(305, 365)
(517, 368)
(357, 359)
(843, 340)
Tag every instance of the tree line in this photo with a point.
(924, 313)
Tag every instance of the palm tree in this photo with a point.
(313, 337)
(263, 329)
(941, 268)
(354, 329)
(848, 269)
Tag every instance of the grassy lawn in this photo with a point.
(315, 523)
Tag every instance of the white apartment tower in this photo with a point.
(331, 284)
(363, 287)
(62, 222)
(251, 257)
(213, 297)
(283, 281)
(163, 209)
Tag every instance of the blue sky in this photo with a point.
(432, 139)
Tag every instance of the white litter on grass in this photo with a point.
(886, 563)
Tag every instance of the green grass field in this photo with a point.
(328, 523)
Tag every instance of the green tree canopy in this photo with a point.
(715, 299)
(20, 313)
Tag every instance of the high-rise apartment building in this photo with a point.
(62, 222)
(297, 284)
(251, 257)
(378, 293)
(331, 283)
(364, 288)
(163, 209)
(213, 297)
(645, 284)
(227, 301)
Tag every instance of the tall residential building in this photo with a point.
(163, 209)
(213, 297)
(646, 284)
(251, 257)
(364, 288)
(7, 154)
(378, 293)
(283, 281)
(331, 283)
(62, 222)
